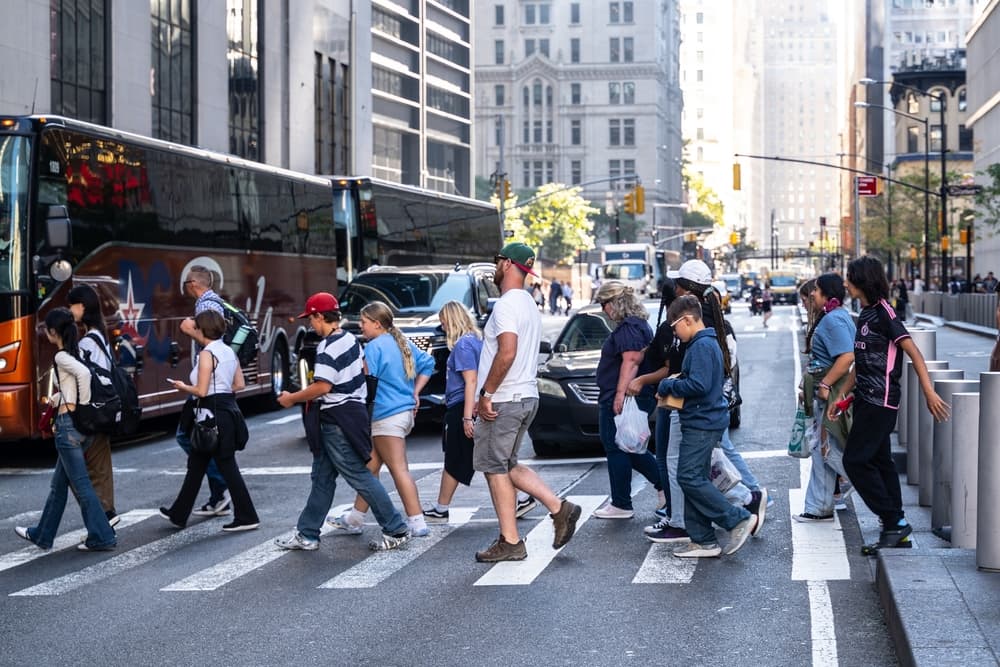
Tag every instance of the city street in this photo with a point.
(200, 596)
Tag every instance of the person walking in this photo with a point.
(508, 399)
(342, 444)
(85, 305)
(768, 300)
(198, 285)
(567, 292)
(703, 420)
(402, 370)
(831, 348)
(72, 380)
(214, 382)
(555, 294)
(868, 461)
(622, 355)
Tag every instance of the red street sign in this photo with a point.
(866, 186)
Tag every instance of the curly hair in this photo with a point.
(622, 299)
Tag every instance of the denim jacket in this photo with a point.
(700, 384)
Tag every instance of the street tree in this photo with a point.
(704, 200)
(988, 201)
(556, 221)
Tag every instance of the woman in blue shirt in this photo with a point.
(831, 346)
(402, 370)
(621, 356)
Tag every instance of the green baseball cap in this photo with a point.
(521, 255)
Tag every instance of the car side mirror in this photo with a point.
(545, 347)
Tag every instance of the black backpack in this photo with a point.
(103, 412)
(130, 412)
(241, 335)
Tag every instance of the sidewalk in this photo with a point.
(939, 608)
(961, 326)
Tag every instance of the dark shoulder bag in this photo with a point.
(205, 433)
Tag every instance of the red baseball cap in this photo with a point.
(320, 302)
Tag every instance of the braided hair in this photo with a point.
(380, 312)
(709, 298)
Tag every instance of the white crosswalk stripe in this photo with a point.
(660, 567)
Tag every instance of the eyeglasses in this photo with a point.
(500, 258)
(678, 320)
(186, 282)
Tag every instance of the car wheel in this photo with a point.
(734, 417)
(544, 448)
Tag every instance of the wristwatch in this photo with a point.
(485, 394)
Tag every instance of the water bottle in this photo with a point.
(239, 336)
(842, 405)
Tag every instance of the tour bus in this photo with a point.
(130, 215)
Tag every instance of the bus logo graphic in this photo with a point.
(130, 310)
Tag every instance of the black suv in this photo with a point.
(415, 294)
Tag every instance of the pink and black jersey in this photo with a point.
(878, 359)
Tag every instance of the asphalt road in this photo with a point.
(610, 597)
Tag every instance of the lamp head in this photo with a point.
(867, 81)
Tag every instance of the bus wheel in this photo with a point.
(279, 372)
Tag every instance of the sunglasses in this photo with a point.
(500, 258)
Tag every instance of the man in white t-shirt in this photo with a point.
(508, 400)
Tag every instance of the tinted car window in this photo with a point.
(586, 332)
(406, 292)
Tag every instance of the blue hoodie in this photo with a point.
(700, 384)
(395, 390)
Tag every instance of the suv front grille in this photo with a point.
(586, 392)
(425, 343)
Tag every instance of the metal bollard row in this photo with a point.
(988, 484)
(942, 457)
(925, 429)
(964, 469)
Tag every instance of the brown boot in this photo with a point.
(564, 522)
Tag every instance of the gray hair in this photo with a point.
(622, 299)
(201, 275)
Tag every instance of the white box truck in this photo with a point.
(634, 264)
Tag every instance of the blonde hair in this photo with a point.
(377, 311)
(456, 322)
(623, 301)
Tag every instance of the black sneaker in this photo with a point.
(165, 513)
(236, 527)
(525, 506)
(502, 550)
(113, 518)
(758, 506)
(434, 514)
(897, 538)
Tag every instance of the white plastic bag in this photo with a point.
(723, 473)
(632, 427)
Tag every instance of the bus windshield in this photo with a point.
(636, 271)
(13, 211)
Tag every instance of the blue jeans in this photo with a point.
(823, 476)
(741, 466)
(621, 464)
(703, 503)
(216, 483)
(339, 458)
(662, 433)
(71, 473)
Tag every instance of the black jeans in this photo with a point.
(868, 461)
(197, 464)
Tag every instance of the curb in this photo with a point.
(967, 327)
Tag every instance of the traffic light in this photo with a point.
(734, 238)
(506, 189)
(640, 199)
(945, 243)
(913, 253)
(737, 177)
(963, 236)
(630, 202)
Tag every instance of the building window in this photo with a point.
(498, 95)
(575, 132)
(574, 50)
(614, 93)
(700, 134)
(548, 131)
(912, 104)
(529, 47)
(526, 174)
(912, 139)
(543, 14)
(536, 93)
(628, 92)
(614, 12)
(538, 131)
(548, 96)
(627, 12)
(614, 50)
(964, 138)
(498, 15)
(538, 174)
(172, 101)
(78, 52)
(575, 172)
(699, 75)
(527, 132)
(543, 47)
(629, 52)
(498, 52)
(387, 154)
(629, 168)
(529, 14)
(386, 23)
(615, 132)
(244, 79)
(574, 93)
(699, 18)
(332, 115)
(962, 103)
(525, 97)
(628, 131)
(701, 154)
(936, 138)
(614, 168)
(940, 102)
(574, 13)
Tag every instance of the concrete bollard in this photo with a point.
(925, 495)
(988, 486)
(915, 406)
(964, 469)
(942, 458)
(926, 342)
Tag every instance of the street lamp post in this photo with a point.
(927, 178)
(944, 168)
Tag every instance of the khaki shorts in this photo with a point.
(497, 442)
(398, 425)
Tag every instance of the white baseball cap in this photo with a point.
(696, 271)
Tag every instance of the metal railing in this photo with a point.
(977, 309)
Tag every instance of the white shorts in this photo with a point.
(398, 425)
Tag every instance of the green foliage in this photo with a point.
(988, 201)
(697, 220)
(704, 200)
(629, 227)
(556, 223)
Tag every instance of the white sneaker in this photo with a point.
(609, 511)
(343, 527)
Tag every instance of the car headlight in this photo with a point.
(550, 388)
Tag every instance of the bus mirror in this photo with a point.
(58, 228)
(61, 270)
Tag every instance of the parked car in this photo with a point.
(567, 385)
(415, 294)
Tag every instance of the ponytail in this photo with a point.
(404, 349)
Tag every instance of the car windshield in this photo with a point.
(783, 281)
(732, 283)
(586, 332)
(624, 271)
(406, 292)
(13, 211)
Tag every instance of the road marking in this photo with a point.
(381, 565)
(660, 567)
(66, 541)
(23, 517)
(122, 562)
(819, 552)
(287, 419)
(824, 634)
(540, 551)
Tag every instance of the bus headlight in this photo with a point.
(550, 388)
(8, 356)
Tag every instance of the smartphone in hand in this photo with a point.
(169, 381)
